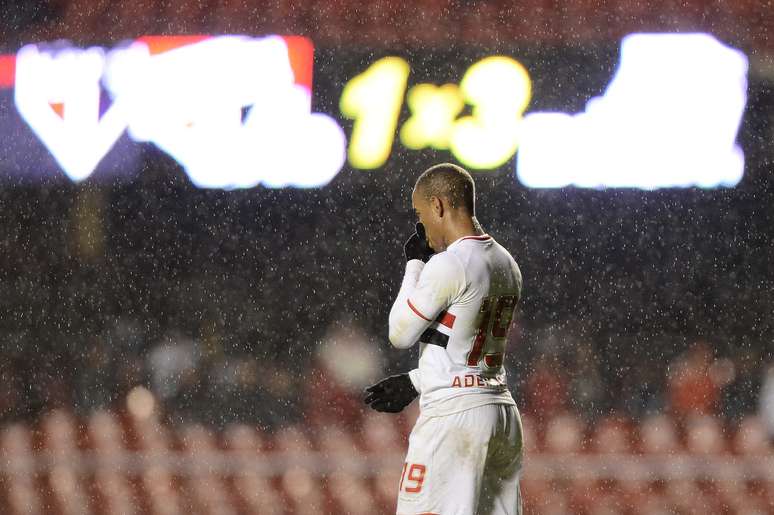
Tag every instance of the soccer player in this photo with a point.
(457, 300)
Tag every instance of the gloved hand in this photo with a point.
(416, 246)
(392, 394)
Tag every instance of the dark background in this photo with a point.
(636, 275)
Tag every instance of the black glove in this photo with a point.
(392, 394)
(416, 247)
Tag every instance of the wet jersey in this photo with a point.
(459, 308)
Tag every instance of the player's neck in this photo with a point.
(465, 226)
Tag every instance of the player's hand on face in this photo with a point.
(416, 246)
(392, 394)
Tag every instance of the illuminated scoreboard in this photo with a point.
(236, 112)
(497, 88)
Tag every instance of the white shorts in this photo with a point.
(465, 463)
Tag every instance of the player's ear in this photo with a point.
(436, 204)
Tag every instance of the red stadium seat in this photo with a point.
(530, 435)
(243, 439)
(303, 491)
(192, 470)
(564, 434)
(21, 494)
(252, 491)
(64, 480)
(292, 440)
(105, 432)
(114, 493)
(658, 435)
(704, 435)
(347, 488)
(113, 490)
(205, 487)
(686, 497)
(298, 482)
(535, 492)
(350, 493)
(379, 434)
(555, 501)
(385, 485)
(751, 438)
(157, 482)
(383, 441)
(59, 431)
(583, 493)
(150, 434)
(162, 495)
(611, 436)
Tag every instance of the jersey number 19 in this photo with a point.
(493, 321)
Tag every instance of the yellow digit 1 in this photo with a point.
(499, 90)
(373, 99)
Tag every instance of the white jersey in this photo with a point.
(459, 308)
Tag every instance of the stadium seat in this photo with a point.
(347, 487)
(611, 436)
(300, 485)
(385, 485)
(60, 438)
(113, 491)
(658, 435)
(380, 434)
(704, 435)
(243, 439)
(684, 496)
(192, 469)
(530, 435)
(583, 493)
(21, 494)
(162, 495)
(751, 438)
(203, 484)
(157, 481)
(253, 493)
(564, 435)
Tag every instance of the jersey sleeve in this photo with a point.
(416, 380)
(427, 290)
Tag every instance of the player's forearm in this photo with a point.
(405, 325)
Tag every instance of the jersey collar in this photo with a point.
(483, 237)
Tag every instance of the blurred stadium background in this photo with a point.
(168, 349)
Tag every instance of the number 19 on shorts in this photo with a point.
(412, 478)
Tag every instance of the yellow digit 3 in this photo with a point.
(499, 90)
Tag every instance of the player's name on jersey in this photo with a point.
(468, 380)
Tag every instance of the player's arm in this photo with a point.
(432, 287)
(427, 290)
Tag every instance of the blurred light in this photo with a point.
(230, 111)
(140, 402)
(434, 110)
(499, 89)
(235, 111)
(373, 100)
(668, 118)
(58, 94)
(363, 363)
